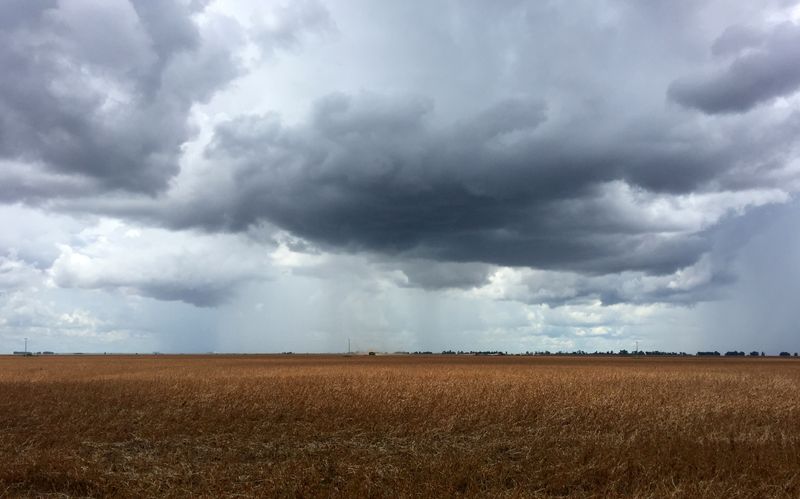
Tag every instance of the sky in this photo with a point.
(262, 176)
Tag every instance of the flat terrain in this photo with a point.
(399, 426)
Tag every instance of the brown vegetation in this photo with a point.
(399, 426)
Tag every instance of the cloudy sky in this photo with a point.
(233, 175)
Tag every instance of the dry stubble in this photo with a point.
(399, 426)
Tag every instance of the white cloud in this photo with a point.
(197, 268)
(17, 274)
(49, 325)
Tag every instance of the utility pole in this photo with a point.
(637, 347)
(26, 345)
(348, 345)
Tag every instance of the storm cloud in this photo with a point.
(756, 67)
(98, 95)
(550, 155)
(370, 173)
(101, 91)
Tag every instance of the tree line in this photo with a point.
(622, 353)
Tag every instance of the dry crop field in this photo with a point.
(398, 426)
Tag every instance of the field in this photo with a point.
(399, 426)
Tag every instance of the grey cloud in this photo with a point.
(50, 325)
(339, 115)
(370, 173)
(764, 66)
(290, 23)
(491, 137)
(628, 287)
(704, 280)
(21, 182)
(197, 290)
(503, 120)
(760, 310)
(200, 269)
(102, 91)
(16, 273)
(209, 294)
(15, 13)
(737, 38)
(442, 275)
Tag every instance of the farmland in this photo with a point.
(136, 426)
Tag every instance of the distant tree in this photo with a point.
(785, 354)
(754, 354)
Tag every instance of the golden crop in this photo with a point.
(399, 426)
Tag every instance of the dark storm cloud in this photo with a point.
(372, 173)
(209, 295)
(101, 91)
(533, 135)
(762, 66)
